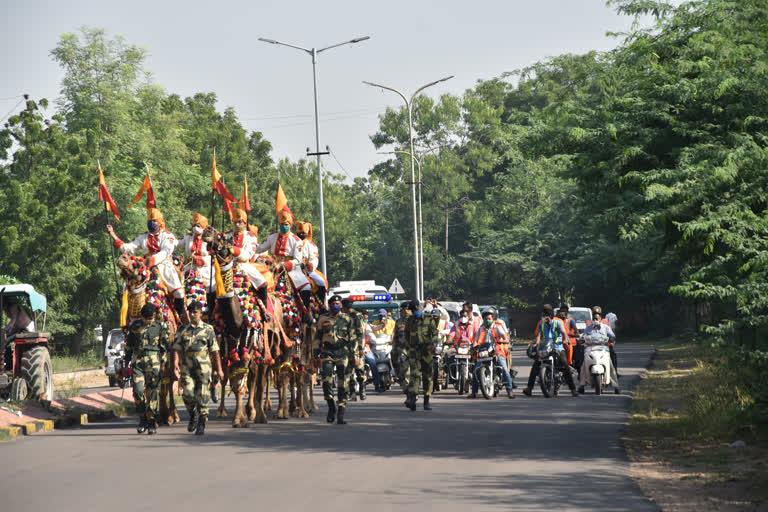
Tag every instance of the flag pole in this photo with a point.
(209, 303)
(111, 247)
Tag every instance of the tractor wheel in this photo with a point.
(36, 370)
(18, 390)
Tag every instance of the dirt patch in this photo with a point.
(683, 461)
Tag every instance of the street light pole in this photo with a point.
(313, 52)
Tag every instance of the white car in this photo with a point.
(581, 316)
(113, 350)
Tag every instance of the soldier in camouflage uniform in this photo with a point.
(399, 352)
(356, 355)
(337, 332)
(145, 349)
(420, 339)
(196, 345)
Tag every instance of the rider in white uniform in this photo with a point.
(310, 257)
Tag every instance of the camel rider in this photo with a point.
(243, 244)
(197, 251)
(310, 257)
(157, 245)
(285, 248)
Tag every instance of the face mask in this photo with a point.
(302, 236)
(488, 323)
(417, 314)
(284, 228)
(151, 226)
(197, 230)
(464, 321)
(335, 308)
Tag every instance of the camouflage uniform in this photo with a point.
(356, 357)
(337, 338)
(195, 345)
(400, 353)
(146, 346)
(420, 339)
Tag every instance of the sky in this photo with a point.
(196, 46)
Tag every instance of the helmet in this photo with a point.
(531, 351)
(382, 312)
(492, 312)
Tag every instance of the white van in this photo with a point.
(360, 291)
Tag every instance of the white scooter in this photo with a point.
(381, 353)
(597, 361)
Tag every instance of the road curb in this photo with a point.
(9, 433)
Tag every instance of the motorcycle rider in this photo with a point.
(552, 331)
(493, 333)
(368, 359)
(573, 330)
(596, 325)
(157, 244)
(420, 337)
(384, 325)
(596, 310)
(399, 350)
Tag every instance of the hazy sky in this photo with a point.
(197, 46)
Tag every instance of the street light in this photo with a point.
(313, 52)
(419, 161)
(409, 106)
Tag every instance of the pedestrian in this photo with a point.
(421, 338)
(194, 348)
(337, 333)
(145, 349)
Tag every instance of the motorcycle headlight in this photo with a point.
(463, 351)
(483, 353)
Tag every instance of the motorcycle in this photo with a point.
(488, 374)
(597, 358)
(121, 380)
(460, 368)
(550, 373)
(382, 353)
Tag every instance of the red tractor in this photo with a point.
(26, 371)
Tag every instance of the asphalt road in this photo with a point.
(523, 454)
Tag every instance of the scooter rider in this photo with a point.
(493, 333)
(597, 318)
(597, 326)
(553, 331)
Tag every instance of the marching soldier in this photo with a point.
(357, 354)
(420, 339)
(157, 244)
(337, 332)
(145, 348)
(399, 350)
(196, 345)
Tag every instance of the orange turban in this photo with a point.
(199, 219)
(254, 230)
(238, 214)
(304, 227)
(156, 215)
(285, 217)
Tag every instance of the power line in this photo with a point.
(11, 111)
(294, 116)
(11, 97)
(342, 167)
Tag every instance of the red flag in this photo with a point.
(245, 203)
(145, 186)
(218, 185)
(228, 207)
(106, 197)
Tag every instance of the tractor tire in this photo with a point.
(18, 390)
(36, 370)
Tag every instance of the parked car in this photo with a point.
(581, 316)
(113, 350)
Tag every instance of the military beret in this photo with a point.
(148, 310)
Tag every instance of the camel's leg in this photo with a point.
(163, 412)
(269, 377)
(284, 381)
(293, 388)
(301, 385)
(221, 412)
(260, 383)
(250, 406)
(240, 419)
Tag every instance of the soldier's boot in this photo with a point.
(152, 427)
(306, 298)
(193, 419)
(331, 411)
(214, 396)
(411, 401)
(178, 305)
(142, 425)
(261, 293)
(340, 416)
(201, 426)
(363, 396)
(427, 407)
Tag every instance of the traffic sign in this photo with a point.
(396, 288)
